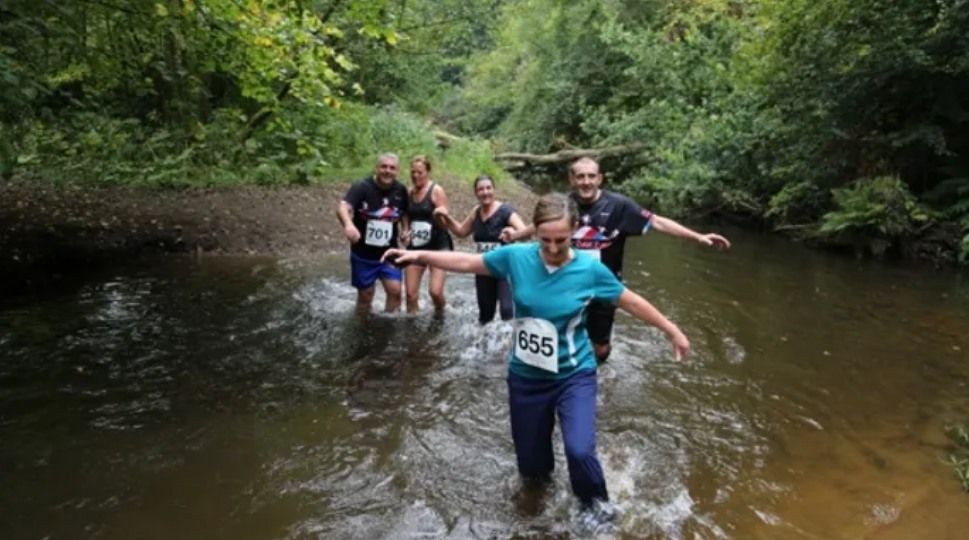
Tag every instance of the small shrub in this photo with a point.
(959, 459)
(880, 210)
(798, 203)
(964, 248)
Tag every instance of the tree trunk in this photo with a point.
(518, 160)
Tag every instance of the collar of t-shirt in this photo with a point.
(552, 269)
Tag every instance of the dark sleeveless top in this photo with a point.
(423, 210)
(486, 233)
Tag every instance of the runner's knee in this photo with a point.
(365, 295)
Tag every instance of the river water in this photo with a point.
(242, 398)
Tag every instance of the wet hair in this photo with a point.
(421, 158)
(482, 178)
(553, 207)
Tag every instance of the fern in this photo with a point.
(882, 205)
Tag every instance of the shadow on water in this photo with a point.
(389, 358)
(245, 398)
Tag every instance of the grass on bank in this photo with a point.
(295, 147)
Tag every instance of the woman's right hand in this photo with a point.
(681, 345)
(442, 216)
(400, 257)
(507, 235)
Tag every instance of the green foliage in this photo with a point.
(467, 158)
(548, 66)
(768, 108)
(864, 88)
(90, 148)
(798, 203)
(759, 107)
(427, 57)
(959, 459)
(300, 145)
(404, 133)
(203, 92)
(951, 197)
(964, 245)
(881, 209)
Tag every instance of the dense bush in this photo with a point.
(879, 210)
(776, 109)
(300, 145)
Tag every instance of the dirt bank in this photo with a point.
(44, 228)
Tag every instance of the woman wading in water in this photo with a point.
(552, 366)
(485, 224)
(424, 231)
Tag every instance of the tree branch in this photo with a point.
(569, 154)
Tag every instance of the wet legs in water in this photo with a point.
(392, 290)
(489, 292)
(534, 404)
(412, 278)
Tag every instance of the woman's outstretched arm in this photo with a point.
(460, 230)
(452, 261)
(639, 307)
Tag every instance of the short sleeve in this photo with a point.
(354, 195)
(606, 286)
(497, 261)
(635, 219)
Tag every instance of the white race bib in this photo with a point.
(378, 233)
(594, 253)
(484, 247)
(420, 233)
(537, 343)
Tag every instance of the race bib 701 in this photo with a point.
(378, 233)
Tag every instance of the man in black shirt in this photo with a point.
(370, 214)
(605, 220)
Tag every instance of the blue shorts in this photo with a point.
(365, 272)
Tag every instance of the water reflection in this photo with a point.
(242, 398)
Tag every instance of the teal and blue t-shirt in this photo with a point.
(559, 297)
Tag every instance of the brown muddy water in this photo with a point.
(243, 399)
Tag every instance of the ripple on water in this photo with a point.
(289, 415)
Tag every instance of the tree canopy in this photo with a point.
(845, 120)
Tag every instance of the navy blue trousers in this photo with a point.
(534, 404)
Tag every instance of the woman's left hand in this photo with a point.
(681, 345)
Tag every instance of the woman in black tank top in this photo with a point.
(485, 223)
(424, 231)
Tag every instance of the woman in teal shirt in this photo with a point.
(552, 366)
